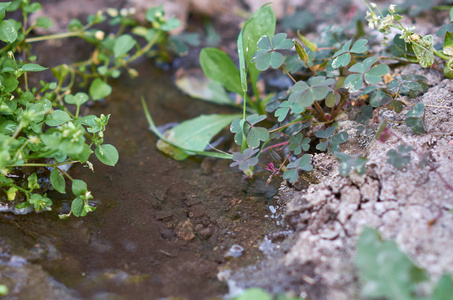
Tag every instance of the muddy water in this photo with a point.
(161, 228)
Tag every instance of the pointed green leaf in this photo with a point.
(123, 45)
(79, 187)
(57, 181)
(99, 89)
(8, 32)
(218, 66)
(77, 207)
(32, 68)
(57, 118)
(107, 154)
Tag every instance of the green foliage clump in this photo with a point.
(336, 72)
(41, 128)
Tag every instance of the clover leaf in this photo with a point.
(399, 158)
(245, 160)
(329, 139)
(343, 57)
(414, 118)
(297, 143)
(267, 56)
(254, 134)
(284, 109)
(305, 93)
(361, 71)
(351, 163)
(292, 169)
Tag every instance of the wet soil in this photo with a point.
(161, 228)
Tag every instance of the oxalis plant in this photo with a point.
(41, 129)
(332, 76)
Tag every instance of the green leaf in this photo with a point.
(242, 64)
(398, 48)
(203, 88)
(57, 118)
(32, 7)
(123, 44)
(44, 22)
(107, 154)
(254, 294)
(8, 32)
(424, 51)
(444, 288)
(164, 139)
(77, 99)
(32, 68)
(218, 66)
(77, 206)
(255, 135)
(11, 84)
(195, 134)
(374, 75)
(3, 7)
(261, 23)
(312, 46)
(385, 271)
(100, 89)
(57, 181)
(79, 187)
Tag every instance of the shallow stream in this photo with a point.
(161, 228)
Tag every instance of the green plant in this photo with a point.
(260, 294)
(329, 75)
(386, 272)
(41, 129)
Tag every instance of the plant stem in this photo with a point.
(53, 37)
(289, 75)
(275, 146)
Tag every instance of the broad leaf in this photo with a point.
(57, 181)
(107, 154)
(99, 89)
(218, 66)
(195, 134)
(385, 271)
(123, 45)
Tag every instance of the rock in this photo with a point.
(184, 230)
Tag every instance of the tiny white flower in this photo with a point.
(113, 12)
(124, 12)
(99, 35)
(373, 5)
(392, 8)
(132, 11)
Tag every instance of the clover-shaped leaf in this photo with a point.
(284, 109)
(305, 93)
(329, 139)
(254, 135)
(267, 56)
(361, 71)
(237, 127)
(343, 57)
(245, 160)
(292, 169)
(414, 118)
(399, 158)
(325, 134)
(350, 163)
(297, 143)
